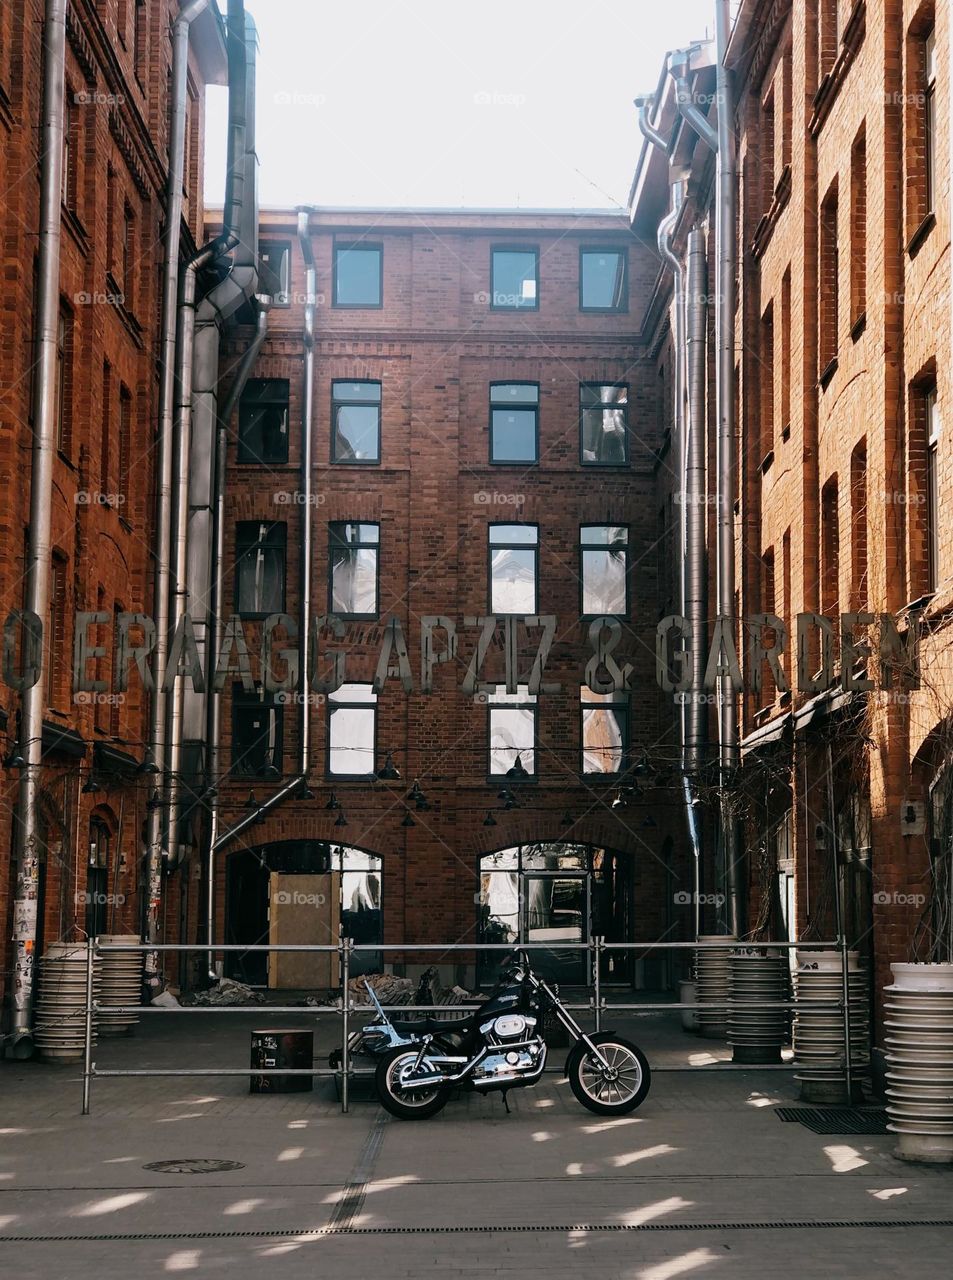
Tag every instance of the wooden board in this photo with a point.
(304, 909)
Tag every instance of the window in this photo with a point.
(604, 428)
(512, 731)
(105, 456)
(766, 382)
(513, 550)
(352, 731)
(858, 523)
(514, 279)
(603, 285)
(353, 560)
(830, 550)
(256, 733)
(786, 354)
(138, 35)
(858, 229)
(276, 271)
(56, 645)
(263, 422)
(829, 285)
(125, 449)
(127, 260)
(68, 178)
(357, 275)
(604, 561)
(98, 867)
(932, 423)
(514, 421)
(260, 567)
(929, 119)
(355, 422)
(62, 415)
(605, 731)
(768, 142)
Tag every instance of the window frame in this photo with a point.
(359, 545)
(513, 248)
(514, 546)
(364, 246)
(929, 122)
(243, 457)
(372, 704)
(932, 432)
(245, 700)
(617, 700)
(627, 460)
(599, 546)
(337, 402)
(242, 547)
(531, 704)
(523, 405)
(623, 307)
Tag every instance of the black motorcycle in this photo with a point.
(500, 1047)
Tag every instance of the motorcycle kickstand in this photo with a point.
(506, 1102)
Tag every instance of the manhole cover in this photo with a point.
(193, 1166)
(834, 1120)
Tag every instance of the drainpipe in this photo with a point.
(689, 438)
(199, 328)
(721, 142)
(214, 770)
(170, 288)
(46, 324)
(299, 782)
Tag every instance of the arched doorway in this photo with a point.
(559, 894)
(352, 908)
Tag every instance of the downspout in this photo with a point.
(691, 529)
(170, 291)
(214, 770)
(39, 550)
(198, 375)
(721, 142)
(300, 781)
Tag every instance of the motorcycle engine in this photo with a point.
(508, 1063)
(509, 1026)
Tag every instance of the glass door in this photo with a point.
(556, 912)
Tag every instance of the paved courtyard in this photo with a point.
(703, 1181)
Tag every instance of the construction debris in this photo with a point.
(227, 991)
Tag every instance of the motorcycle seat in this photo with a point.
(435, 1026)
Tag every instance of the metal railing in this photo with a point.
(346, 1007)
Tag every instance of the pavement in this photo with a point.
(704, 1180)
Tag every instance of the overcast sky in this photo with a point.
(414, 102)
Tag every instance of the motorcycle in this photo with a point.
(500, 1046)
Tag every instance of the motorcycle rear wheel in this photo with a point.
(620, 1090)
(405, 1104)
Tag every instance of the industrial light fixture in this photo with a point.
(510, 801)
(641, 768)
(408, 820)
(90, 786)
(304, 792)
(619, 803)
(333, 802)
(489, 820)
(155, 800)
(148, 764)
(648, 821)
(259, 816)
(271, 771)
(340, 820)
(251, 803)
(14, 758)
(389, 772)
(517, 769)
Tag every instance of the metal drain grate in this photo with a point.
(836, 1120)
(189, 1165)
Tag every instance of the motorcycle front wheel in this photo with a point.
(406, 1104)
(617, 1087)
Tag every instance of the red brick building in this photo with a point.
(486, 430)
(118, 56)
(842, 340)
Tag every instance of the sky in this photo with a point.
(501, 103)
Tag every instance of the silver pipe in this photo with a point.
(222, 244)
(679, 64)
(172, 235)
(694, 604)
(46, 323)
(304, 628)
(214, 770)
(727, 263)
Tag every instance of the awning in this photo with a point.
(823, 705)
(110, 761)
(766, 734)
(59, 741)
